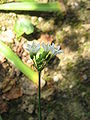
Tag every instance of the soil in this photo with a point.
(66, 94)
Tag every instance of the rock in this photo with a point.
(47, 93)
(55, 78)
(7, 36)
(83, 94)
(34, 20)
(31, 118)
(43, 82)
(3, 106)
(3, 28)
(28, 104)
(40, 19)
(28, 87)
(85, 77)
(51, 116)
(70, 86)
(74, 5)
(30, 108)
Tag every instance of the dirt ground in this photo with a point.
(66, 95)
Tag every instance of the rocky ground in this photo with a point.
(66, 96)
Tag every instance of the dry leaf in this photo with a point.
(45, 38)
(14, 93)
(3, 105)
(7, 84)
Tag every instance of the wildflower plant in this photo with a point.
(41, 55)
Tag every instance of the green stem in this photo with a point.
(39, 97)
(11, 56)
(32, 6)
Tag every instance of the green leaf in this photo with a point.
(25, 0)
(22, 26)
(34, 6)
(0, 117)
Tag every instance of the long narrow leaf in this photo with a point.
(12, 57)
(33, 6)
(0, 117)
(25, 0)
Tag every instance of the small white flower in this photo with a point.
(33, 48)
(46, 47)
(55, 50)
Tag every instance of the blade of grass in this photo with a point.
(12, 57)
(25, 0)
(32, 6)
(0, 117)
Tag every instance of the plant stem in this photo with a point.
(32, 6)
(39, 97)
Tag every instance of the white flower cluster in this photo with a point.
(42, 54)
(34, 48)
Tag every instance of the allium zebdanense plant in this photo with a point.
(41, 55)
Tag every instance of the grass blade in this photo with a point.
(33, 6)
(12, 57)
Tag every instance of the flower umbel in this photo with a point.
(41, 55)
(51, 48)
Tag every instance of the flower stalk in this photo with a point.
(41, 55)
(39, 95)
